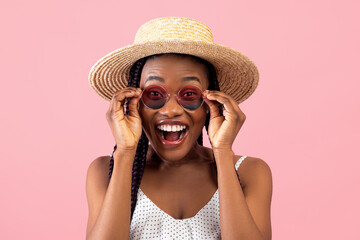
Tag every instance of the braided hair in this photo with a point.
(142, 147)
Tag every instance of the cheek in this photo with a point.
(203, 112)
(200, 116)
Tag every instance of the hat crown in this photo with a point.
(173, 28)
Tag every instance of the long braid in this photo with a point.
(142, 147)
(213, 85)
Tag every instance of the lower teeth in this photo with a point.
(181, 134)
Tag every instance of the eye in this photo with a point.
(155, 93)
(189, 94)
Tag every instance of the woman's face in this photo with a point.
(173, 72)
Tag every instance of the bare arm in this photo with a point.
(109, 202)
(244, 214)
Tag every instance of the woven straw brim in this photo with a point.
(237, 74)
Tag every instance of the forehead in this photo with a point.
(174, 70)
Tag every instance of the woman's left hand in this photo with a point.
(223, 129)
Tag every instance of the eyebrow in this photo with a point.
(185, 79)
(190, 79)
(155, 78)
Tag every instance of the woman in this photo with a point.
(162, 183)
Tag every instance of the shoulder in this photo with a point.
(101, 164)
(252, 170)
(98, 171)
(251, 162)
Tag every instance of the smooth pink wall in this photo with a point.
(303, 119)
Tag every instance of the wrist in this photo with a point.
(220, 151)
(223, 155)
(124, 154)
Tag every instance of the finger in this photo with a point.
(111, 104)
(119, 100)
(133, 105)
(121, 94)
(124, 90)
(232, 101)
(232, 109)
(223, 99)
(213, 107)
(219, 93)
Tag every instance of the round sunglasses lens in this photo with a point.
(154, 97)
(190, 97)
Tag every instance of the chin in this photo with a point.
(171, 153)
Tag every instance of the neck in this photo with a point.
(196, 155)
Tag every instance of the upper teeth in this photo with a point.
(171, 128)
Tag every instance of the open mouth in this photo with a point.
(171, 133)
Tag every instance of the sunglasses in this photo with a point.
(155, 97)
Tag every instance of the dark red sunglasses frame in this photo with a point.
(168, 95)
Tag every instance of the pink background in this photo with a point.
(303, 119)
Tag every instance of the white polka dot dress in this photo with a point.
(150, 222)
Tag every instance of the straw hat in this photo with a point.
(237, 74)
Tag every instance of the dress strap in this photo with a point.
(239, 162)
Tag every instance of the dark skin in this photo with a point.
(181, 179)
(172, 178)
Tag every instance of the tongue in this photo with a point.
(172, 136)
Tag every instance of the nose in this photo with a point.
(172, 108)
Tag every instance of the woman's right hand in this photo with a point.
(126, 129)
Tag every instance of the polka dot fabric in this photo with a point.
(150, 222)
